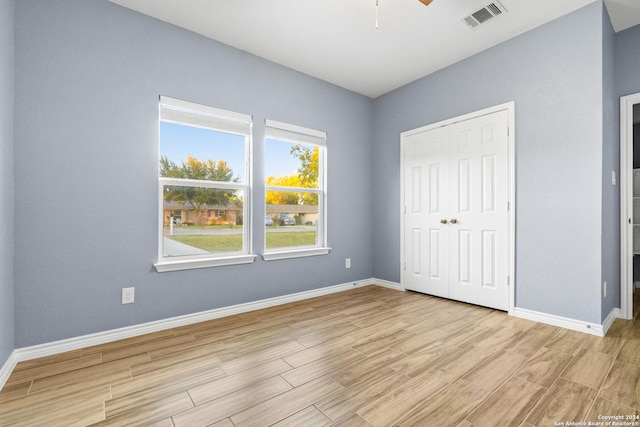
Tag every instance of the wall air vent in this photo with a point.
(483, 15)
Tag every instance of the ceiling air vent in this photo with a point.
(483, 15)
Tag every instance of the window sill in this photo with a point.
(294, 253)
(164, 266)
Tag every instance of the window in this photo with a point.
(295, 191)
(203, 168)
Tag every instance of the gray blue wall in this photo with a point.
(627, 78)
(86, 170)
(628, 61)
(610, 162)
(7, 8)
(554, 75)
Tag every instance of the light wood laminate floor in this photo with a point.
(367, 357)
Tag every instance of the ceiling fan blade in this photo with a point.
(426, 2)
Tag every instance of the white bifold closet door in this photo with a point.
(456, 214)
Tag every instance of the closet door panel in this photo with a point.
(483, 162)
(426, 204)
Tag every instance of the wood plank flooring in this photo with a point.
(367, 357)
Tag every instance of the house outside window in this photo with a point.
(295, 191)
(204, 180)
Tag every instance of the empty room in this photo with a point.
(349, 213)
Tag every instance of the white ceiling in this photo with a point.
(624, 13)
(337, 41)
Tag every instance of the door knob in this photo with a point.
(443, 221)
(453, 221)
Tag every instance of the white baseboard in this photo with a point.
(387, 284)
(7, 368)
(563, 322)
(61, 346)
(614, 314)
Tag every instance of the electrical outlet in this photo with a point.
(128, 295)
(347, 263)
(605, 289)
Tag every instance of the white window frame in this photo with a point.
(197, 115)
(300, 135)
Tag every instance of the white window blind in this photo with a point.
(188, 113)
(293, 133)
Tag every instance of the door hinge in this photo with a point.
(404, 265)
(404, 210)
(508, 206)
(508, 281)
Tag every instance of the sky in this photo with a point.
(278, 159)
(179, 141)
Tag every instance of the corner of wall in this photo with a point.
(7, 290)
(610, 174)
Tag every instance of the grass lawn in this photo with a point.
(233, 242)
(209, 243)
(282, 240)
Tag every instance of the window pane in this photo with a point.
(291, 219)
(195, 153)
(200, 221)
(290, 164)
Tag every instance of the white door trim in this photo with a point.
(509, 107)
(626, 206)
